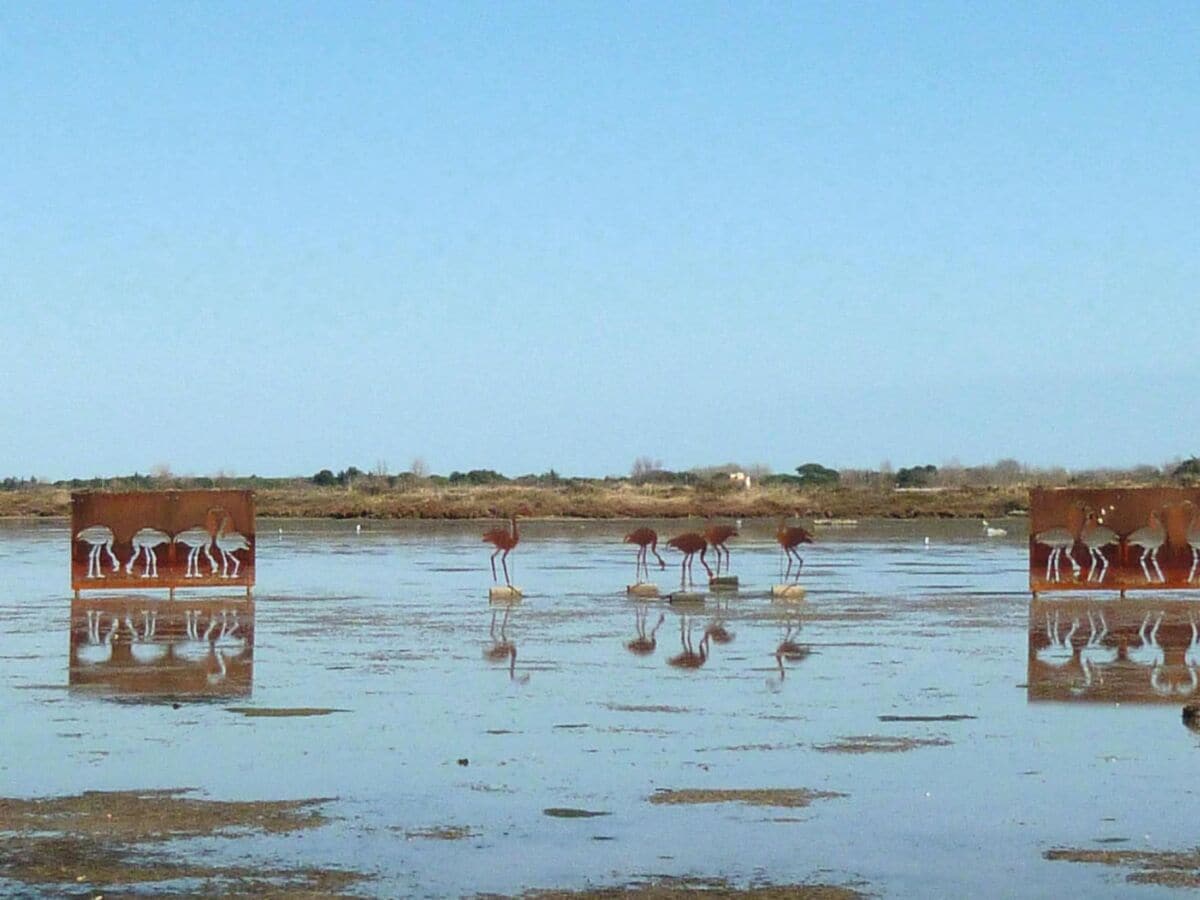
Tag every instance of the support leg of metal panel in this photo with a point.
(77, 593)
(172, 593)
(1122, 593)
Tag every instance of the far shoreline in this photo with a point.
(585, 502)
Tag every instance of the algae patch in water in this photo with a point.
(568, 812)
(100, 840)
(878, 743)
(790, 797)
(680, 888)
(282, 712)
(1168, 868)
(952, 717)
(441, 833)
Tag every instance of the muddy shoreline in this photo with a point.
(587, 500)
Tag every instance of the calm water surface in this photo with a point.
(393, 627)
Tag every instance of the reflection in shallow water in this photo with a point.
(1143, 651)
(644, 643)
(135, 646)
(502, 648)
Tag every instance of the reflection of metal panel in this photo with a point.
(162, 539)
(124, 646)
(1123, 651)
(1114, 539)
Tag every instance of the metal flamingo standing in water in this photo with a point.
(717, 535)
(690, 543)
(789, 539)
(503, 540)
(647, 541)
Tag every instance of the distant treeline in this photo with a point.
(646, 471)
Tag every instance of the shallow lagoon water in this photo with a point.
(392, 628)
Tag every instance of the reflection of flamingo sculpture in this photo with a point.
(1094, 654)
(1150, 538)
(689, 658)
(646, 540)
(1162, 679)
(1095, 538)
(503, 540)
(790, 650)
(502, 648)
(199, 539)
(1060, 651)
(717, 535)
(98, 538)
(144, 649)
(644, 644)
(228, 543)
(690, 543)
(1148, 653)
(789, 539)
(98, 649)
(144, 542)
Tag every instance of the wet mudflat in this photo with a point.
(389, 732)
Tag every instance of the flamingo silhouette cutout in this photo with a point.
(1150, 538)
(647, 541)
(1060, 541)
(1148, 653)
(504, 540)
(144, 541)
(789, 538)
(228, 543)
(690, 543)
(644, 644)
(1193, 538)
(199, 539)
(98, 538)
(717, 535)
(1095, 537)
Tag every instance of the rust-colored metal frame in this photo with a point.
(162, 539)
(1114, 539)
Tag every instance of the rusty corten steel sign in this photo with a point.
(1114, 539)
(162, 539)
(1113, 651)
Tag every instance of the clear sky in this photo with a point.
(270, 238)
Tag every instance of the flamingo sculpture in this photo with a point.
(789, 539)
(503, 540)
(228, 543)
(645, 644)
(646, 540)
(717, 535)
(144, 542)
(1150, 538)
(199, 540)
(1095, 537)
(98, 538)
(690, 543)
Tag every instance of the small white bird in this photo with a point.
(993, 532)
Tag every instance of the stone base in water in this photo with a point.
(788, 592)
(642, 589)
(504, 593)
(686, 597)
(723, 583)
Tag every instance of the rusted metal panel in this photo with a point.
(162, 539)
(1114, 539)
(128, 646)
(1113, 651)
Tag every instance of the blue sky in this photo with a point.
(273, 238)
